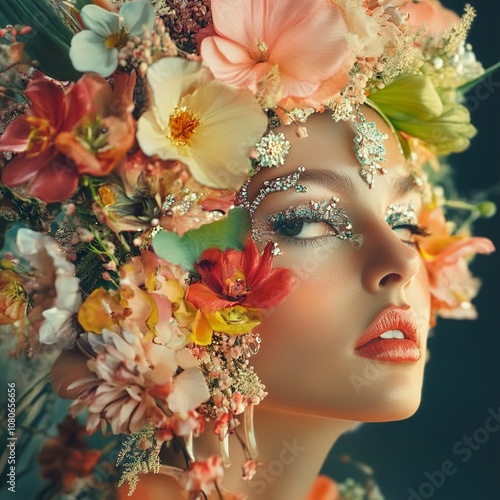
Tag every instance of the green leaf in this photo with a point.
(473, 83)
(50, 38)
(409, 98)
(185, 250)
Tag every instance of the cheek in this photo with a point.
(307, 359)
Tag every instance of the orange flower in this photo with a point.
(12, 298)
(445, 255)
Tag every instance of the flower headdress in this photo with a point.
(125, 175)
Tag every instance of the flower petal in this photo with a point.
(55, 182)
(171, 78)
(88, 53)
(137, 15)
(15, 137)
(231, 63)
(100, 21)
(232, 122)
(190, 390)
(47, 101)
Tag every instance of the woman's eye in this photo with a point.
(304, 230)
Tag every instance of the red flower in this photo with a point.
(233, 278)
(40, 167)
(86, 130)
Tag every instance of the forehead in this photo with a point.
(329, 159)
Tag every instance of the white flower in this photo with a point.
(207, 124)
(96, 48)
(46, 256)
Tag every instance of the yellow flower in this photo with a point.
(98, 311)
(234, 320)
(207, 124)
(12, 298)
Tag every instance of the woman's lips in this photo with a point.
(395, 322)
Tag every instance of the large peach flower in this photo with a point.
(430, 15)
(205, 123)
(451, 284)
(294, 49)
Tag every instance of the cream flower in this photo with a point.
(207, 124)
(96, 48)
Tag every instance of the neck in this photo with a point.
(292, 448)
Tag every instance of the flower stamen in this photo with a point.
(183, 124)
(117, 40)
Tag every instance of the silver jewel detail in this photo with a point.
(271, 186)
(369, 148)
(396, 216)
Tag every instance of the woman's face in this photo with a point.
(309, 358)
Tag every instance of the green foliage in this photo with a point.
(185, 250)
(136, 460)
(50, 38)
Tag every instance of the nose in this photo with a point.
(388, 262)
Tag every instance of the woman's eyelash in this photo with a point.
(323, 211)
(415, 230)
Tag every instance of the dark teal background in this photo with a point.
(462, 378)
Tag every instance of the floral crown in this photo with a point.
(127, 128)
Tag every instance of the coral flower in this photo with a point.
(451, 284)
(40, 167)
(102, 138)
(233, 278)
(298, 47)
(429, 14)
(207, 124)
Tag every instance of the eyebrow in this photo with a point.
(339, 180)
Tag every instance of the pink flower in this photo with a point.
(292, 52)
(451, 284)
(202, 476)
(430, 14)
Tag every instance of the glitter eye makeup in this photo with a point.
(310, 222)
(404, 220)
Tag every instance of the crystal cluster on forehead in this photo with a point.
(396, 215)
(322, 211)
(272, 186)
(369, 149)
